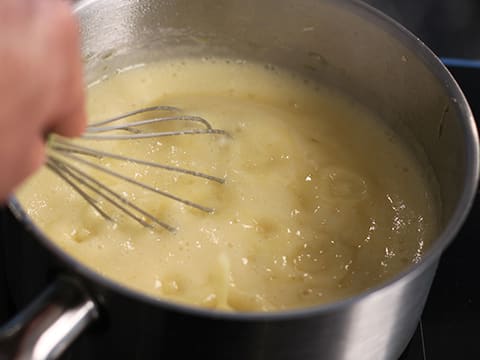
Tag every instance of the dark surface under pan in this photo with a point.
(449, 328)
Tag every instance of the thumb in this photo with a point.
(73, 123)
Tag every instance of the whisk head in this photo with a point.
(67, 159)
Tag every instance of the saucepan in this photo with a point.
(344, 44)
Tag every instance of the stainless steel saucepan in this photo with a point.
(344, 44)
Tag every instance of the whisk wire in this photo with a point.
(153, 134)
(63, 169)
(66, 146)
(138, 183)
(133, 113)
(186, 118)
(56, 168)
(93, 130)
(86, 185)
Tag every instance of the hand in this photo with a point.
(41, 84)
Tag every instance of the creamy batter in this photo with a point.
(320, 200)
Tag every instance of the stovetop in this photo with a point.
(449, 328)
(450, 324)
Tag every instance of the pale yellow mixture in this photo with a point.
(320, 200)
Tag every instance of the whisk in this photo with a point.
(64, 157)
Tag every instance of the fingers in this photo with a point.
(41, 83)
(75, 119)
(71, 120)
(68, 116)
(71, 124)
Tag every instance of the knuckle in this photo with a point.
(65, 23)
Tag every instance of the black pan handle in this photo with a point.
(49, 324)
